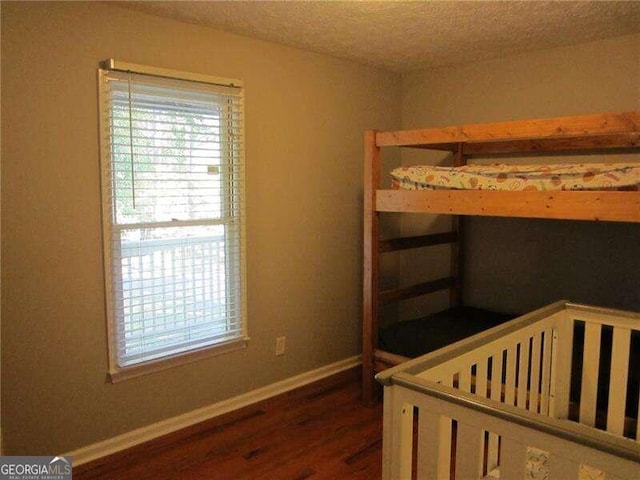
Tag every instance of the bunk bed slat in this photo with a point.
(396, 294)
(384, 360)
(419, 241)
(617, 206)
(574, 145)
(620, 143)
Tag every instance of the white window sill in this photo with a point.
(117, 374)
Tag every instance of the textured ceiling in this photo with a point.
(410, 35)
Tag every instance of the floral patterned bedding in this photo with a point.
(537, 468)
(564, 176)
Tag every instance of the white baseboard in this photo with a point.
(144, 434)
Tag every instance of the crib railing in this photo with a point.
(606, 345)
(503, 400)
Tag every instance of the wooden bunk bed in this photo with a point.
(598, 133)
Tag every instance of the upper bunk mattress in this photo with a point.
(564, 176)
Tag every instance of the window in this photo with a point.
(172, 187)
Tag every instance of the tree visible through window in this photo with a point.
(172, 187)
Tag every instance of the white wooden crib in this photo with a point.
(501, 404)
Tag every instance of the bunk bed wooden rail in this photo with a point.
(597, 133)
(566, 205)
(549, 134)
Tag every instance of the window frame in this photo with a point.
(238, 272)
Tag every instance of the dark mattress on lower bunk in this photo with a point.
(417, 337)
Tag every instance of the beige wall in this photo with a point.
(305, 114)
(517, 265)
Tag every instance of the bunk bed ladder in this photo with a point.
(373, 298)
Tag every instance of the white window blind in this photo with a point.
(172, 182)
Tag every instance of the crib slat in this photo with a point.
(428, 465)
(496, 377)
(561, 468)
(444, 448)
(618, 380)
(523, 374)
(405, 444)
(469, 451)
(444, 440)
(390, 436)
(546, 373)
(590, 363)
(561, 349)
(464, 379)
(535, 374)
(397, 444)
(493, 444)
(481, 378)
(510, 379)
(513, 459)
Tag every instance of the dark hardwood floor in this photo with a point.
(320, 431)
